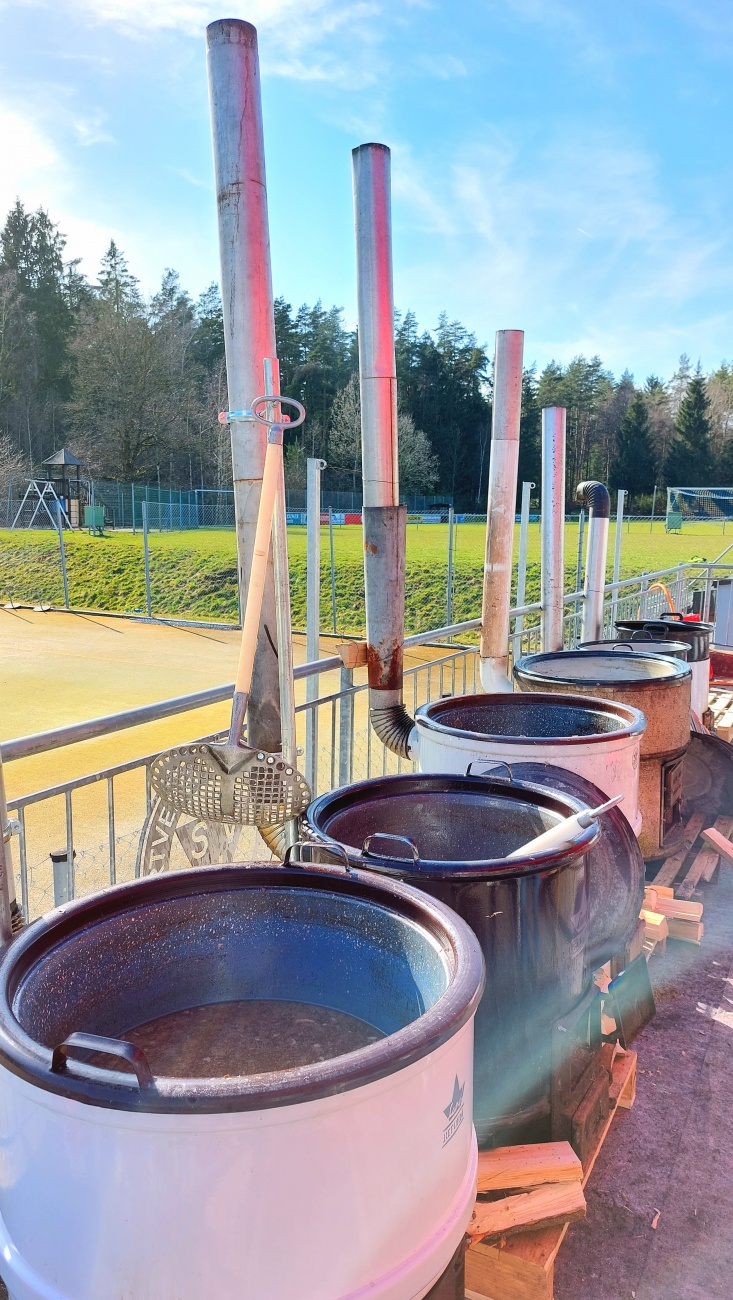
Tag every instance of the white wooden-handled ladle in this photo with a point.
(561, 835)
(230, 782)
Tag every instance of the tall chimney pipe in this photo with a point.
(249, 321)
(597, 498)
(384, 519)
(553, 527)
(501, 510)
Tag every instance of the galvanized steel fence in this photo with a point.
(91, 824)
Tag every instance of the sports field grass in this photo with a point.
(193, 574)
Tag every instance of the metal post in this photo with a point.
(313, 612)
(552, 527)
(501, 510)
(449, 577)
(146, 558)
(654, 502)
(62, 890)
(708, 594)
(333, 570)
(617, 551)
(579, 561)
(249, 323)
(522, 567)
(132, 499)
(7, 882)
(596, 497)
(62, 549)
(346, 727)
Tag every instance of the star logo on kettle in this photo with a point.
(454, 1111)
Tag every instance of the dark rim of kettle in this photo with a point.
(565, 805)
(529, 669)
(23, 1056)
(642, 646)
(662, 621)
(635, 723)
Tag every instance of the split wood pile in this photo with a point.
(528, 1196)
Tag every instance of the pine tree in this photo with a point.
(116, 283)
(31, 246)
(689, 460)
(632, 467)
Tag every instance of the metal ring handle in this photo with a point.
(396, 839)
(135, 1056)
(491, 771)
(337, 851)
(284, 401)
(672, 616)
(642, 634)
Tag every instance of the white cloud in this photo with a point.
(35, 171)
(575, 243)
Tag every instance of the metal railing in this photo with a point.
(97, 817)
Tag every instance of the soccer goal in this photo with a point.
(697, 506)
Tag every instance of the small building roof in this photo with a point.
(62, 457)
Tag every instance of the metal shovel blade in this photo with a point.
(225, 783)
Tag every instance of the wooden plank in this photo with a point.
(678, 908)
(527, 1166)
(725, 826)
(717, 841)
(687, 931)
(524, 1268)
(669, 869)
(547, 1207)
(705, 859)
(655, 925)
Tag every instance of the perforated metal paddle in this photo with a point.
(229, 782)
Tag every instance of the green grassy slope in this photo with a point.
(193, 575)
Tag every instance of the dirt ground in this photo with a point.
(672, 1153)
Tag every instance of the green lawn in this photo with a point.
(193, 574)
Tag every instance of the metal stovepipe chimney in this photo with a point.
(597, 498)
(249, 323)
(552, 527)
(384, 519)
(501, 510)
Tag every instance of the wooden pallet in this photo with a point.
(523, 1267)
(695, 861)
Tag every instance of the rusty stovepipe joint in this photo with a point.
(384, 519)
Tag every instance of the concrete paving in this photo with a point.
(669, 1160)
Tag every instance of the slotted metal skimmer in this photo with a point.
(258, 789)
(230, 782)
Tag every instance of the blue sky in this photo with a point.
(560, 166)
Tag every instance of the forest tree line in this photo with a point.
(133, 385)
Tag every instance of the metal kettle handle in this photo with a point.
(395, 839)
(135, 1056)
(337, 851)
(490, 771)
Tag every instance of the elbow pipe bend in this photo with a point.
(393, 726)
(596, 496)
